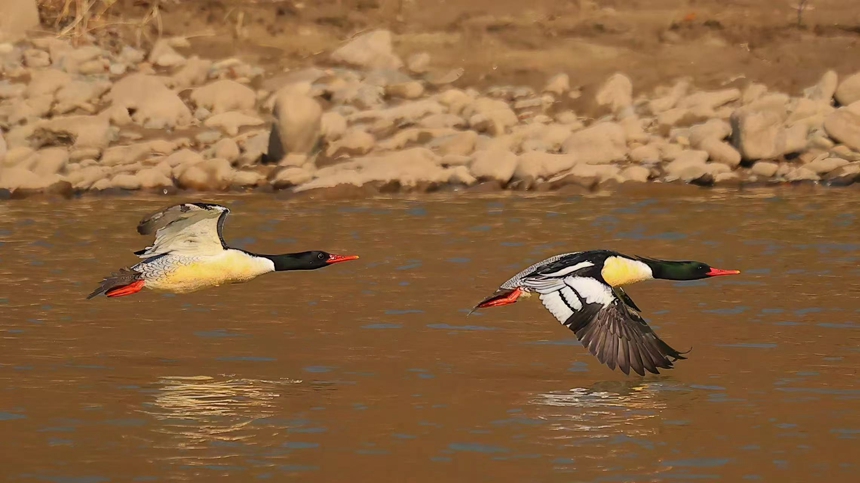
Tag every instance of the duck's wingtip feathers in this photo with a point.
(670, 352)
(679, 355)
(102, 288)
(619, 340)
(143, 228)
(152, 223)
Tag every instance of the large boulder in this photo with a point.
(408, 168)
(616, 93)
(825, 89)
(298, 125)
(765, 169)
(599, 144)
(492, 116)
(371, 50)
(638, 174)
(848, 91)
(207, 175)
(843, 125)
(224, 96)
(86, 131)
(20, 178)
(148, 102)
(759, 132)
(539, 165)
(494, 164)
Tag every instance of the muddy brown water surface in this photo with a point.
(370, 370)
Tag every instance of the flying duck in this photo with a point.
(583, 290)
(189, 254)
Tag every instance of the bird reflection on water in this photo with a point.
(604, 410)
(201, 412)
(607, 421)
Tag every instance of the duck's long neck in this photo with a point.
(287, 261)
(666, 270)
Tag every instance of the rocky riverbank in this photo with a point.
(86, 119)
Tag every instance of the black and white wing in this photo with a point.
(548, 263)
(604, 323)
(185, 229)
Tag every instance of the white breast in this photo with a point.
(230, 266)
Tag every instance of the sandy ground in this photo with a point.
(714, 42)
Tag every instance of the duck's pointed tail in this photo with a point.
(125, 282)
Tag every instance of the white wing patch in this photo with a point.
(541, 285)
(186, 230)
(569, 297)
(593, 291)
(556, 306)
(563, 299)
(568, 270)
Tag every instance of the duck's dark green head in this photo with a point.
(684, 270)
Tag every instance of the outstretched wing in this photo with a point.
(185, 229)
(621, 294)
(548, 263)
(604, 324)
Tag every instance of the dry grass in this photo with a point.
(87, 20)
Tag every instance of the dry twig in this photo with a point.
(802, 6)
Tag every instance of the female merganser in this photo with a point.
(190, 254)
(583, 291)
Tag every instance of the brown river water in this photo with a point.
(371, 371)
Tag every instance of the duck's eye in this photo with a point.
(320, 256)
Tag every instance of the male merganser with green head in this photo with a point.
(190, 254)
(583, 290)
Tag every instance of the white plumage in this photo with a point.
(581, 290)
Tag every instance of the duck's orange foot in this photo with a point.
(501, 297)
(129, 289)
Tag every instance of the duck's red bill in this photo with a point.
(716, 272)
(340, 258)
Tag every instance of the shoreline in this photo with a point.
(87, 119)
(632, 191)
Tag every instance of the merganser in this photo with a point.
(583, 290)
(189, 254)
